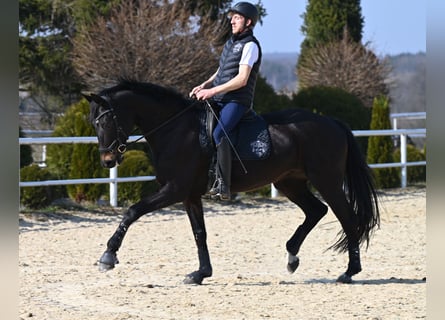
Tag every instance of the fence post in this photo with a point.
(394, 123)
(113, 187)
(403, 157)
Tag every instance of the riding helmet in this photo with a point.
(247, 10)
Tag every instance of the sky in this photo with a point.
(391, 26)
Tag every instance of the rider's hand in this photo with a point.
(195, 90)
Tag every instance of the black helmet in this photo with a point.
(247, 10)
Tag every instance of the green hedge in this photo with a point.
(415, 173)
(77, 161)
(38, 197)
(25, 152)
(136, 163)
(336, 103)
(381, 148)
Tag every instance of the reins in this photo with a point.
(169, 120)
(122, 147)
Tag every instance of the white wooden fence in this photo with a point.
(113, 179)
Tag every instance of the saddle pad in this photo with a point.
(251, 138)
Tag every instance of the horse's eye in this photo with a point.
(101, 122)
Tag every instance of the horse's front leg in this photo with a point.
(161, 199)
(195, 213)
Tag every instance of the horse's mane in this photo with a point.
(158, 92)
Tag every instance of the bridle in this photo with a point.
(121, 145)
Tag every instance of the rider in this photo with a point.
(232, 87)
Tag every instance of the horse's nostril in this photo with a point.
(111, 164)
(108, 160)
(108, 163)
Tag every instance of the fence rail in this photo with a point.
(113, 179)
(406, 116)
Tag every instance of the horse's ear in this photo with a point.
(96, 98)
(88, 97)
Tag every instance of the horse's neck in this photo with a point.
(172, 125)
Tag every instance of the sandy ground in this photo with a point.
(59, 278)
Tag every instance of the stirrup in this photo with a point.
(220, 191)
(224, 196)
(215, 189)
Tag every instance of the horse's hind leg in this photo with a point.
(336, 199)
(297, 191)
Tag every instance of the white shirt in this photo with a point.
(250, 54)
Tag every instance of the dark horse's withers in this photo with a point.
(305, 148)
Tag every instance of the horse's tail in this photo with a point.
(361, 193)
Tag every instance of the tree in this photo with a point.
(347, 65)
(332, 53)
(381, 148)
(171, 43)
(149, 41)
(46, 28)
(325, 21)
(45, 67)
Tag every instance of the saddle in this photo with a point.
(250, 138)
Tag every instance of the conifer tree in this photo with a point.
(332, 54)
(325, 21)
(380, 148)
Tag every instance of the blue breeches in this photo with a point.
(229, 116)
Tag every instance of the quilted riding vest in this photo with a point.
(229, 67)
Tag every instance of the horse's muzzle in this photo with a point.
(109, 159)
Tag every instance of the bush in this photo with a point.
(25, 152)
(76, 161)
(136, 163)
(266, 100)
(336, 103)
(37, 197)
(380, 148)
(415, 173)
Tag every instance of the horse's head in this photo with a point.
(111, 136)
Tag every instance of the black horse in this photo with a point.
(306, 150)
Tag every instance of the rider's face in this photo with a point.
(238, 23)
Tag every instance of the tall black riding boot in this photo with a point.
(221, 187)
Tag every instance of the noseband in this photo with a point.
(117, 144)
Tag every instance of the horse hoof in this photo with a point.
(104, 267)
(107, 261)
(344, 278)
(193, 278)
(293, 263)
